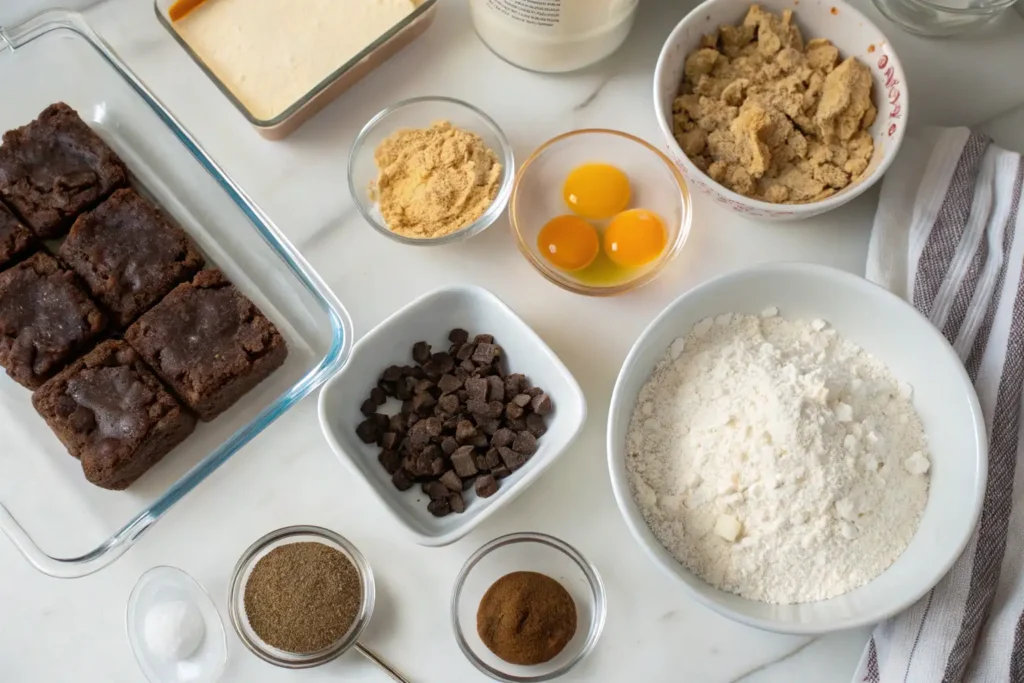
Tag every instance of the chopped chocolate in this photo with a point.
(514, 383)
(464, 462)
(378, 396)
(541, 404)
(396, 424)
(525, 443)
(512, 459)
(439, 508)
(495, 388)
(449, 383)
(449, 445)
(464, 431)
(368, 408)
(501, 472)
(401, 480)
(487, 425)
(535, 425)
(522, 400)
(484, 339)
(425, 385)
(421, 352)
(465, 352)
(389, 440)
(476, 388)
(457, 503)
(451, 481)
(423, 403)
(503, 437)
(390, 460)
(367, 431)
(468, 365)
(514, 411)
(392, 374)
(381, 421)
(486, 486)
(434, 427)
(485, 354)
(458, 336)
(477, 407)
(533, 391)
(436, 490)
(480, 440)
(492, 459)
(444, 361)
(449, 403)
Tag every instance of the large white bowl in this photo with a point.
(850, 31)
(915, 352)
(430, 318)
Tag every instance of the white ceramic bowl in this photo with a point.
(429, 319)
(850, 31)
(915, 352)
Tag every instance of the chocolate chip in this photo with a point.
(414, 371)
(378, 396)
(423, 403)
(464, 462)
(485, 354)
(439, 508)
(451, 423)
(481, 462)
(503, 437)
(500, 472)
(421, 352)
(464, 431)
(468, 366)
(525, 443)
(449, 383)
(541, 404)
(418, 435)
(425, 386)
(391, 461)
(512, 460)
(451, 481)
(401, 480)
(368, 408)
(411, 419)
(533, 391)
(444, 361)
(458, 336)
(434, 427)
(480, 440)
(387, 387)
(477, 407)
(389, 440)
(484, 339)
(495, 410)
(449, 403)
(522, 400)
(392, 374)
(535, 425)
(432, 369)
(457, 503)
(403, 388)
(492, 459)
(436, 490)
(449, 445)
(367, 431)
(396, 423)
(476, 388)
(487, 425)
(516, 425)
(65, 405)
(486, 486)
(465, 352)
(514, 384)
(514, 411)
(495, 388)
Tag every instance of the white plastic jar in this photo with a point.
(553, 36)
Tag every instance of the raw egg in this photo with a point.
(596, 191)
(634, 238)
(569, 242)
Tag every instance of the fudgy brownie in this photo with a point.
(54, 168)
(15, 238)
(113, 414)
(129, 256)
(209, 343)
(46, 319)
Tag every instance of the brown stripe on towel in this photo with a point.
(995, 513)
(962, 300)
(1017, 655)
(948, 229)
(981, 341)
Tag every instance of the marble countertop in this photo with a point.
(59, 631)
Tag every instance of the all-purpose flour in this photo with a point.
(777, 460)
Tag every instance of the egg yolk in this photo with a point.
(634, 238)
(569, 242)
(596, 191)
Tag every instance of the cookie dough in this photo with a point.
(771, 117)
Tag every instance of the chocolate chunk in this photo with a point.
(460, 374)
(451, 481)
(503, 437)
(514, 383)
(464, 431)
(449, 445)
(401, 480)
(485, 354)
(378, 396)
(476, 388)
(368, 408)
(457, 503)
(484, 339)
(389, 440)
(381, 420)
(535, 425)
(423, 403)
(414, 371)
(367, 431)
(487, 425)
(396, 423)
(467, 483)
(425, 385)
(481, 462)
(458, 336)
(486, 486)
(411, 419)
(525, 443)
(451, 423)
(436, 490)
(432, 369)
(478, 407)
(465, 352)
(492, 459)
(418, 435)
(514, 411)
(403, 388)
(533, 391)
(480, 440)
(439, 508)
(512, 460)
(500, 472)
(464, 462)
(468, 365)
(495, 388)
(391, 461)
(495, 409)
(421, 352)
(541, 404)
(392, 374)
(522, 400)
(517, 425)
(449, 383)
(387, 387)
(449, 403)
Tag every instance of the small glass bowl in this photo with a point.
(421, 112)
(941, 18)
(297, 534)
(655, 183)
(528, 551)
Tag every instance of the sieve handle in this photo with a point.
(375, 658)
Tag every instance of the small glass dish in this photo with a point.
(655, 184)
(421, 112)
(528, 551)
(240, 576)
(941, 18)
(160, 584)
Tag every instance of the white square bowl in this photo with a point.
(430, 318)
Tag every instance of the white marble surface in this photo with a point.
(55, 631)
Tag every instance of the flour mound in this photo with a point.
(776, 460)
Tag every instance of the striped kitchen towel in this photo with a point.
(949, 237)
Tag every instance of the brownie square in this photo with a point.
(209, 343)
(46, 319)
(113, 414)
(128, 255)
(15, 239)
(55, 168)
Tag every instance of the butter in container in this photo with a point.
(282, 61)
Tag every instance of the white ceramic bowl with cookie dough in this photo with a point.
(799, 448)
(782, 176)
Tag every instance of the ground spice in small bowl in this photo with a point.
(303, 597)
(526, 618)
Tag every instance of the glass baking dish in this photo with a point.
(344, 77)
(65, 526)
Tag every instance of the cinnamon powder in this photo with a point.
(526, 618)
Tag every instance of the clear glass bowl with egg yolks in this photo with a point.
(599, 212)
